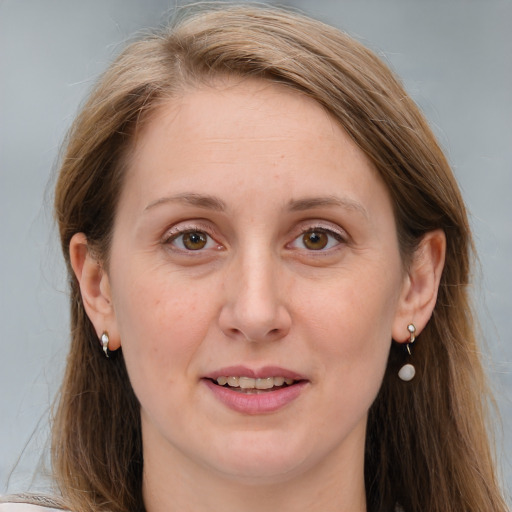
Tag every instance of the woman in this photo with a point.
(258, 224)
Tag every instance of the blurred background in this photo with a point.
(454, 56)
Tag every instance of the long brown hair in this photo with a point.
(427, 443)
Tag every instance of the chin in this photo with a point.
(262, 472)
(262, 459)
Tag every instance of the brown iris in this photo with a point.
(315, 240)
(194, 240)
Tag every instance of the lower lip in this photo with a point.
(260, 403)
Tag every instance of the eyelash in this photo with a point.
(335, 238)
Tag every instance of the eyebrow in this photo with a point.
(310, 203)
(199, 200)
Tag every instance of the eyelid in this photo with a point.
(321, 225)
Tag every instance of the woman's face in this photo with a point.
(254, 243)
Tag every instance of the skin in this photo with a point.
(255, 295)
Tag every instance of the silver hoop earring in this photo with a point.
(104, 341)
(407, 372)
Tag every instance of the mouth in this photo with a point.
(254, 386)
(256, 391)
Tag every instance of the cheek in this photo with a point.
(350, 323)
(161, 323)
(355, 348)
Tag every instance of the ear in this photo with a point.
(420, 287)
(94, 288)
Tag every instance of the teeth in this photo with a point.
(278, 381)
(233, 381)
(246, 382)
(267, 383)
(250, 383)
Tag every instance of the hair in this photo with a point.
(427, 444)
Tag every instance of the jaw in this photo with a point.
(260, 469)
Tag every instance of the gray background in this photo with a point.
(455, 60)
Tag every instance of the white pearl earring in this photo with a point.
(407, 372)
(104, 341)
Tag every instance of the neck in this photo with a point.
(182, 486)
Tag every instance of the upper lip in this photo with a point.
(255, 373)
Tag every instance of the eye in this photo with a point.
(317, 239)
(191, 240)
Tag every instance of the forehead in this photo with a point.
(226, 104)
(244, 133)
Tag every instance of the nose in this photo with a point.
(254, 308)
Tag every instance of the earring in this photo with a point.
(407, 372)
(104, 341)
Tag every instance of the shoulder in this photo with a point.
(25, 507)
(29, 503)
